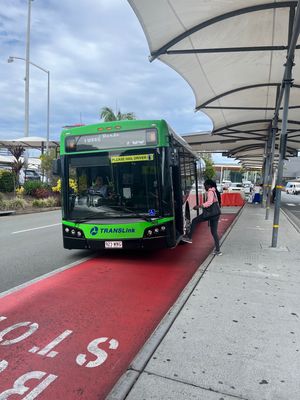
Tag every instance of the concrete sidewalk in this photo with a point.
(237, 333)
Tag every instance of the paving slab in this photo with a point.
(157, 388)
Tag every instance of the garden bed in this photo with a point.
(27, 204)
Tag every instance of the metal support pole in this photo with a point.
(27, 67)
(48, 113)
(294, 31)
(283, 139)
(265, 172)
(270, 174)
(26, 122)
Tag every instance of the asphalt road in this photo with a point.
(290, 203)
(31, 246)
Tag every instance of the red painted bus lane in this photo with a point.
(72, 335)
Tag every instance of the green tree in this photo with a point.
(17, 164)
(46, 164)
(107, 115)
(7, 181)
(210, 171)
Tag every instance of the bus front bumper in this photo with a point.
(128, 244)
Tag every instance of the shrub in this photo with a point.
(7, 181)
(3, 205)
(14, 204)
(49, 202)
(31, 186)
(53, 202)
(41, 193)
(17, 204)
(38, 203)
(57, 198)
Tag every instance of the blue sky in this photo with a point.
(97, 56)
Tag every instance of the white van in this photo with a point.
(292, 187)
(28, 175)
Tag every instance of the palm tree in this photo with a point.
(107, 114)
(17, 152)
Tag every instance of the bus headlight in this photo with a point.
(74, 232)
(159, 230)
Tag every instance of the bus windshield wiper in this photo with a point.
(86, 218)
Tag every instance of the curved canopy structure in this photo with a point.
(238, 57)
(29, 142)
(232, 54)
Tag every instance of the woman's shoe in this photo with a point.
(186, 239)
(217, 253)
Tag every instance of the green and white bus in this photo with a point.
(148, 185)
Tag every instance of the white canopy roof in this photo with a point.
(232, 54)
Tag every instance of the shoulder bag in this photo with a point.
(211, 211)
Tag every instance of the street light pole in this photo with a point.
(10, 60)
(27, 60)
(48, 112)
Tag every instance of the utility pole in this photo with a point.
(27, 72)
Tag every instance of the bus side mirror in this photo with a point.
(56, 167)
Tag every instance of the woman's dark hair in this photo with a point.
(209, 183)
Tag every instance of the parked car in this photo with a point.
(236, 187)
(28, 175)
(292, 188)
(226, 184)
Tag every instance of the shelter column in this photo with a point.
(283, 140)
(265, 170)
(270, 174)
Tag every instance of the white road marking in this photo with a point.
(34, 229)
(53, 344)
(291, 204)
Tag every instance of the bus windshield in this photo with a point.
(113, 184)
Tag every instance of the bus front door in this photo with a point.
(177, 193)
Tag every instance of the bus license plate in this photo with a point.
(114, 245)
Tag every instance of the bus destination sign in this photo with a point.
(111, 140)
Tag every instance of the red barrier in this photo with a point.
(232, 199)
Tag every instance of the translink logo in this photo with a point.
(94, 230)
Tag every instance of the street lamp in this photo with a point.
(10, 60)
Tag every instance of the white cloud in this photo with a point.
(96, 53)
